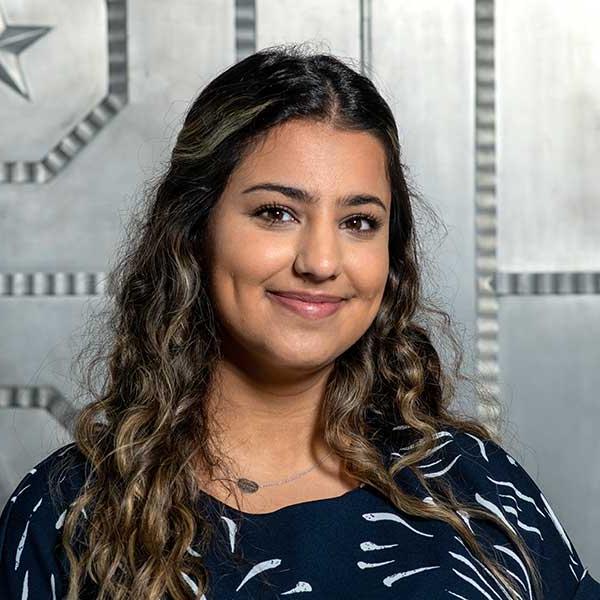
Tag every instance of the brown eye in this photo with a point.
(275, 210)
(374, 223)
(272, 209)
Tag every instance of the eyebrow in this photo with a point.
(307, 198)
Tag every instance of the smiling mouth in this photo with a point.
(310, 310)
(307, 296)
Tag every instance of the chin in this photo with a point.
(300, 359)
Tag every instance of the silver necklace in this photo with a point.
(249, 486)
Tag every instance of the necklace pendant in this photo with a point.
(247, 485)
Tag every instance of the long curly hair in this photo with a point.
(144, 429)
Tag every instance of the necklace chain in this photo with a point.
(249, 486)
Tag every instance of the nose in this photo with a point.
(319, 255)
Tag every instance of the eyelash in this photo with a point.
(374, 221)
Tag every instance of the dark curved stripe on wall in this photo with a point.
(486, 346)
(245, 28)
(501, 283)
(45, 398)
(65, 150)
(536, 284)
(52, 284)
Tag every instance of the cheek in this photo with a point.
(244, 261)
(249, 263)
(368, 273)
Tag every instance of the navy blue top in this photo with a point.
(354, 546)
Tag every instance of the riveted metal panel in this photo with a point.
(549, 381)
(496, 105)
(72, 166)
(548, 135)
(333, 25)
(423, 61)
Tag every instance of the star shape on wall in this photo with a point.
(13, 40)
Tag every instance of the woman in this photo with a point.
(274, 418)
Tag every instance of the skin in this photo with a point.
(276, 363)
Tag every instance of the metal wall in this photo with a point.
(498, 113)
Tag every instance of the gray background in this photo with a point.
(498, 106)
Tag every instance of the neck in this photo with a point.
(268, 429)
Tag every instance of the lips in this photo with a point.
(316, 308)
(306, 297)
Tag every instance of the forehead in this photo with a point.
(317, 156)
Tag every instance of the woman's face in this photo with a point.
(320, 247)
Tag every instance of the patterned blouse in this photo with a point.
(354, 546)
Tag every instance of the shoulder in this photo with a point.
(58, 475)
(483, 473)
(31, 525)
